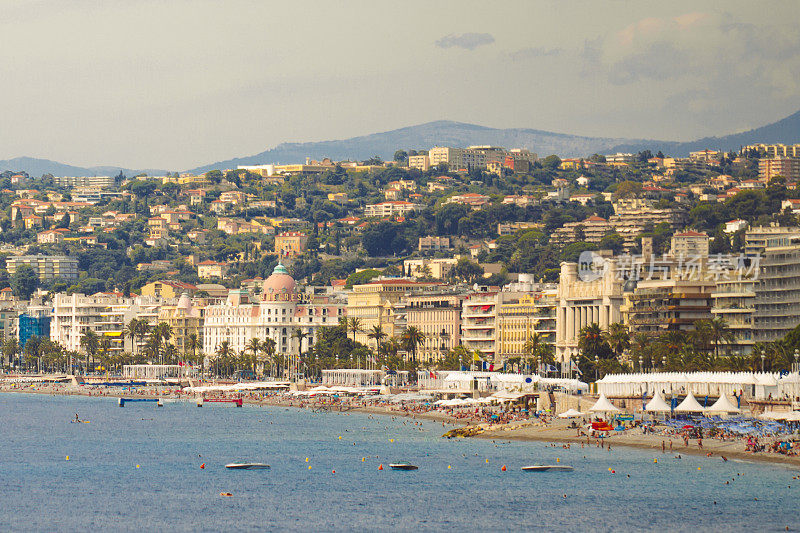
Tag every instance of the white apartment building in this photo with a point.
(106, 314)
(389, 209)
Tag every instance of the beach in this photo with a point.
(555, 431)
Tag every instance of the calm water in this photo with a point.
(101, 488)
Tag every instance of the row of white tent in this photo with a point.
(657, 405)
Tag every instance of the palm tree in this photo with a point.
(378, 335)
(618, 338)
(224, 354)
(267, 348)
(720, 332)
(354, 325)
(191, 345)
(412, 339)
(90, 342)
(254, 345)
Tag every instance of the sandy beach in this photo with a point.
(555, 431)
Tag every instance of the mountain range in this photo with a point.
(446, 133)
(37, 167)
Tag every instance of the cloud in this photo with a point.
(534, 52)
(660, 61)
(467, 41)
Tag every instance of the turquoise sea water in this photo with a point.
(100, 488)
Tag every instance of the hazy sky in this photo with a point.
(176, 84)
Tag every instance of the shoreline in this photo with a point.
(527, 431)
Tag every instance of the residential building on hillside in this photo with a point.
(389, 209)
(47, 267)
(785, 167)
(434, 244)
(290, 243)
(689, 244)
(429, 268)
(776, 150)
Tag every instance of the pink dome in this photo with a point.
(279, 282)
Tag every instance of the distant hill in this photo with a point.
(444, 133)
(424, 136)
(37, 167)
(786, 131)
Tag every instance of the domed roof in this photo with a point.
(279, 281)
(184, 302)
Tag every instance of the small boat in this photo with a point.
(545, 468)
(247, 466)
(403, 466)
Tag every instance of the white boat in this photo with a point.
(403, 466)
(545, 468)
(247, 466)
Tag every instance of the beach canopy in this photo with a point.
(723, 405)
(603, 406)
(657, 405)
(689, 405)
(570, 413)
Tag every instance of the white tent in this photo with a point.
(657, 405)
(723, 405)
(689, 405)
(570, 413)
(603, 406)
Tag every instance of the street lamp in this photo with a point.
(763, 357)
(663, 363)
(596, 369)
(796, 355)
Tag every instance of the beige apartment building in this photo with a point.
(519, 320)
(438, 316)
(380, 303)
(776, 150)
(290, 243)
(785, 167)
(689, 244)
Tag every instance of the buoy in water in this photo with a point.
(309, 467)
(380, 467)
(655, 460)
(363, 459)
(137, 466)
(226, 494)
(306, 459)
(68, 458)
(202, 466)
(558, 460)
(503, 468)
(333, 471)
(391, 440)
(448, 466)
(487, 461)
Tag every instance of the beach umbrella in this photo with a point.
(570, 413)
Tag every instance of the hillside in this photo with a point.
(786, 131)
(37, 167)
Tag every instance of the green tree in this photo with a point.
(90, 342)
(24, 281)
(377, 334)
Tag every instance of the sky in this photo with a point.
(176, 84)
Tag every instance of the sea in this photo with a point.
(139, 468)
